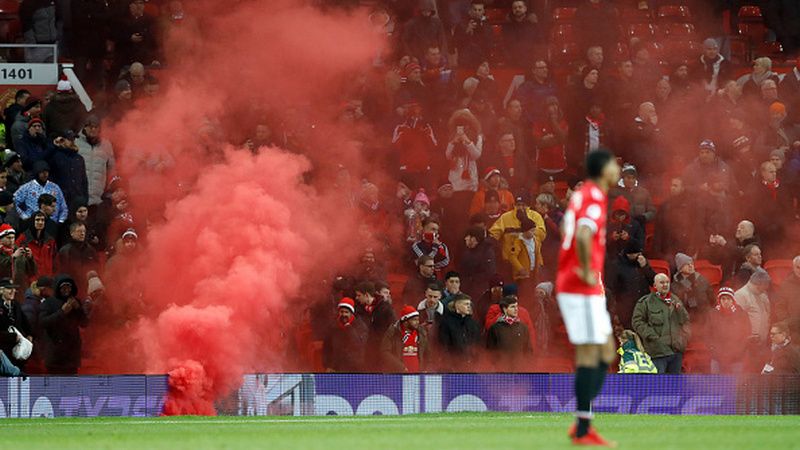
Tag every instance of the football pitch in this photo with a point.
(440, 431)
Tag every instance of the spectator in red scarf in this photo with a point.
(770, 204)
(41, 244)
(550, 138)
(593, 134)
(431, 246)
(377, 313)
(509, 340)
(729, 329)
(344, 346)
(405, 344)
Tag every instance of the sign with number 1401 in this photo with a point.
(20, 74)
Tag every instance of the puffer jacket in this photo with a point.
(664, 328)
(100, 163)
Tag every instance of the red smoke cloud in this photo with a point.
(232, 237)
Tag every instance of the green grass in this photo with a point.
(438, 432)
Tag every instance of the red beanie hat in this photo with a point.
(348, 303)
(6, 229)
(34, 121)
(408, 312)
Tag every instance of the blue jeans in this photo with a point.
(7, 369)
(669, 364)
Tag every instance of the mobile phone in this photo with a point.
(460, 129)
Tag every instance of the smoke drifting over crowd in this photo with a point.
(232, 236)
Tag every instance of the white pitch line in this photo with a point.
(242, 421)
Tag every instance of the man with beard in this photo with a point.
(27, 196)
(344, 345)
(98, 156)
(33, 146)
(520, 35)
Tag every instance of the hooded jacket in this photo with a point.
(43, 248)
(507, 230)
(634, 228)
(61, 331)
(32, 149)
(343, 348)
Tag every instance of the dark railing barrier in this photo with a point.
(373, 394)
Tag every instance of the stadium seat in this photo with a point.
(497, 31)
(771, 49)
(755, 31)
(9, 7)
(645, 31)
(750, 13)
(10, 30)
(496, 15)
(682, 31)
(620, 52)
(677, 51)
(564, 53)
(660, 266)
(635, 15)
(674, 13)
(778, 269)
(739, 50)
(563, 33)
(397, 284)
(564, 14)
(711, 272)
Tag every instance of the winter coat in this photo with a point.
(44, 250)
(641, 204)
(392, 348)
(129, 51)
(343, 349)
(32, 307)
(757, 307)
(476, 267)
(629, 282)
(439, 252)
(12, 315)
(509, 343)
(519, 42)
(473, 49)
(381, 318)
(728, 336)
(32, 149)
(479, 200)
(416, 287)
(785, 359)
(68, 171)
(507, 231)
(77, 258)
(21, 269)
(459, 336)
(677, 228)
(787, 306)
(695, 291)
(633, 226)
(15, 180)
(664, 328)
(100, 164)
(463, 161)
(61, 331)
(415, 144)
(64, 112)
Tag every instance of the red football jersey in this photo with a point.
(588, 206)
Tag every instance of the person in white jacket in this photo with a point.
(98, 153)
(464, 150)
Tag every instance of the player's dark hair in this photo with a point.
(596, 161)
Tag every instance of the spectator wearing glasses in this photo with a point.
(784, 355)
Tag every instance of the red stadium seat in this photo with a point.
(497, 31)
(772, 49)
(712, 272)
(9, 7)
(564, 14)
(660, 266)
(756, 31)
(739, 50)
(564, 53)
(680, 51)
(674, 13)
(778, 269)
(678, 30)
(10, 30)
(563, 32)
(496, 15)
(397, 284)
(643, 31)
(750, 13)
(620, 52)
(635, 15)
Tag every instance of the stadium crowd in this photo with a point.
(481, 114)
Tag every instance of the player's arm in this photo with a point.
(583, 246)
